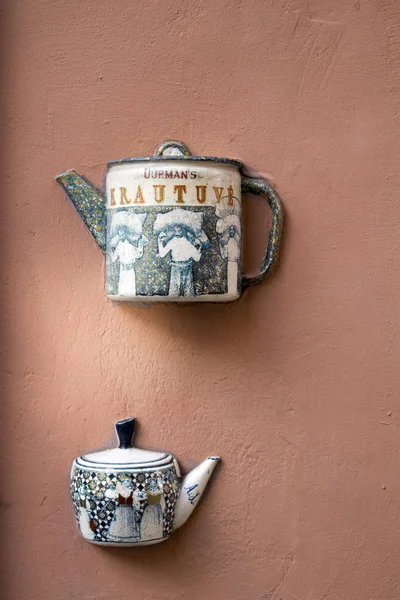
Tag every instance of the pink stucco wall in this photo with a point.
(296, 385)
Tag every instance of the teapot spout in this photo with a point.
(192, 489)
(89, 202)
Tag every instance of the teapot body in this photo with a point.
(173, 231)
(125, 506)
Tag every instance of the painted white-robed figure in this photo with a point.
(124, 527)
(128, 242)
(152, 520)
(180, 233)
(228, 228)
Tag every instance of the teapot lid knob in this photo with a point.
(172, 148)
(125, 430)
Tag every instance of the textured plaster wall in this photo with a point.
(296, 385)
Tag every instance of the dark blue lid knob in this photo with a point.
(125, 431)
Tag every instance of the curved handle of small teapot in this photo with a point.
(262, 188)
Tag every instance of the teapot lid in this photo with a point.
(126, 456)
(175, 150)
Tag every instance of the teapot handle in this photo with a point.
(263, 188)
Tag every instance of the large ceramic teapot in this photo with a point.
(128, 496)
(170, 225)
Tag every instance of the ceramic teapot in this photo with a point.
(128, 496)
(170, 225)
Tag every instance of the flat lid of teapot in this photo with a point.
(175, 150)
(125, 456)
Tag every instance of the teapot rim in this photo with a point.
(126, 455)
(85, 462)
(230, 161)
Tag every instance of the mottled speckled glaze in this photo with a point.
(170, 225)
(89, 201)
(262, 188)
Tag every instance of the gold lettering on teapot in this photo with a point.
(139, 196)
(124, 196)
(201, 193)
(170, 194)
(230, 196)
(159, 193)
(180, 190)
(218, 193)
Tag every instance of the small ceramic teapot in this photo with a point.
(170, 225)
(128, 496)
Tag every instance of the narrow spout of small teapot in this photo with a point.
(192, 489)
(89, 202)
